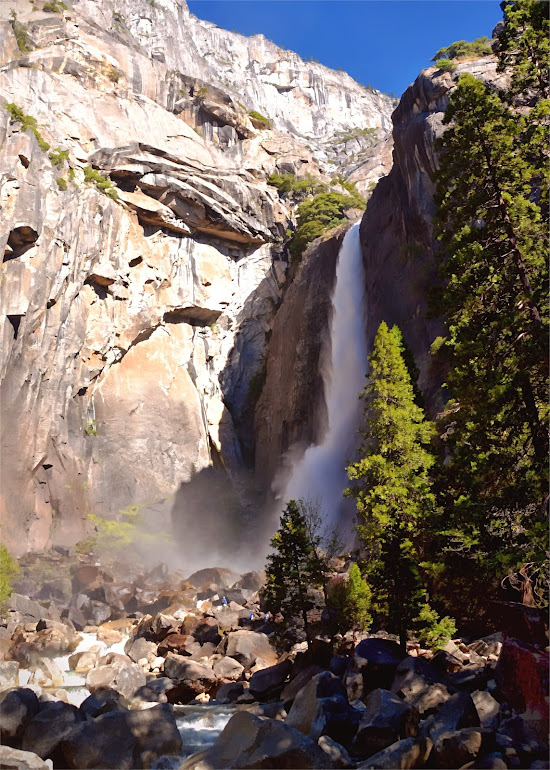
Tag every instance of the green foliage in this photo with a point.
(434, 632)
(201, 92)
(356, 133)
(523, 45)
(103, 183)
(58, 157)
(351, 600)
(446, 65)
(321, 213)
(266, 123)
(296, 187)
(390, 484)
(21, 34)
(61, 183)
(113, 74)
(28, 123)
(461, 49)
(293, 567)
(90, 428)
(9, 570)
(54, 6)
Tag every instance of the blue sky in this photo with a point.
(381, 42)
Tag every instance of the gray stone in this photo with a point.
(15, 759)
(246, 646)
(410, 752)
(457, 712)
(488, 709)
(123, 740)
(121, 675)
(49, 727)
(455, 749)
(269, 681)
(190, 677)
(386, 720)
(17, 708)
(9, 673)
(228, 669)
(337, 754)
(139, 648)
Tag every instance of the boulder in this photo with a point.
(96, 612)
(228, 669)
(292, 688)
(249, 741)
(228, 693)
(338, 757)
(385, 720)
(372, 666)
(457, 712)
(246, 646)
(123, 740)
(17, 708)
(139, 648)
(15, 759)
(251, 581)
(207, 631)
(190, 676)
(488, 645)
(488, 709)
(27, 648)
(410, 752)
(268, 682)
(82, 662)
(322, 708)
(178, 643)
(155, 628)
(49, 727)
(27, 608)
(522, 676)
(471, 677)
(220, 577)
(430, 700)
(120, 674)
(415, 676)
(46, 673)
(455, 749)
(155, 691)
(102, 702)
(9, 674)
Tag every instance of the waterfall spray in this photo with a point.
(320, 474)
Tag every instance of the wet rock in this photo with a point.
(268, 682)
(228, 669)
(190, 676)
(123, 740)
(247, 646)
(103, 701)
(385, 720)
(17, 708)
(15, 759)
(322, 708)
(49, 727)
(248, 741)
(410, 752)
(228, 693)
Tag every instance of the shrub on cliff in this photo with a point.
(28, 123)
(9, 570)
(292, 186)
(462, 49)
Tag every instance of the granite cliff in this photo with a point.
(143, 251)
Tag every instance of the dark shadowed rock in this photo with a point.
(488, 709)
(221, 577)
(155, 691)
(386, 720)
(268, 682)
(455, 749)
(337, 755)
(102, 702)
(292, 688)
(248, 741)
(522, 677)
(123, 740)
(49, 727)
(157, 627)
(207, 631)
(190, 677)
(410, 752)
(457, 712)
(322, 708)
(228, 693)
(372, 666)
(17, 708)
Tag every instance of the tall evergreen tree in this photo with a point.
(524, 48)
(390, 484)
(293, 567)
(494, 267)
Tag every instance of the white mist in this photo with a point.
(320, 474)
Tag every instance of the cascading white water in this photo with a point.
(320, 475)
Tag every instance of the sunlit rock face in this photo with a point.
(131, 329)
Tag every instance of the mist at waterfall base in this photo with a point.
(319, 475)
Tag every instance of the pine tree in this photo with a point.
(391, 485)
(350, 601)
(293, 567)
(523, 46)
(494, 267)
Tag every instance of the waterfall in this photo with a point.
(320, 474)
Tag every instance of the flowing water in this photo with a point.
(199, 726)
(320, 475)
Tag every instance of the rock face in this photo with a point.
(134, 312)
(396, 230)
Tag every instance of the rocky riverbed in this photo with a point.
(104, 667)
